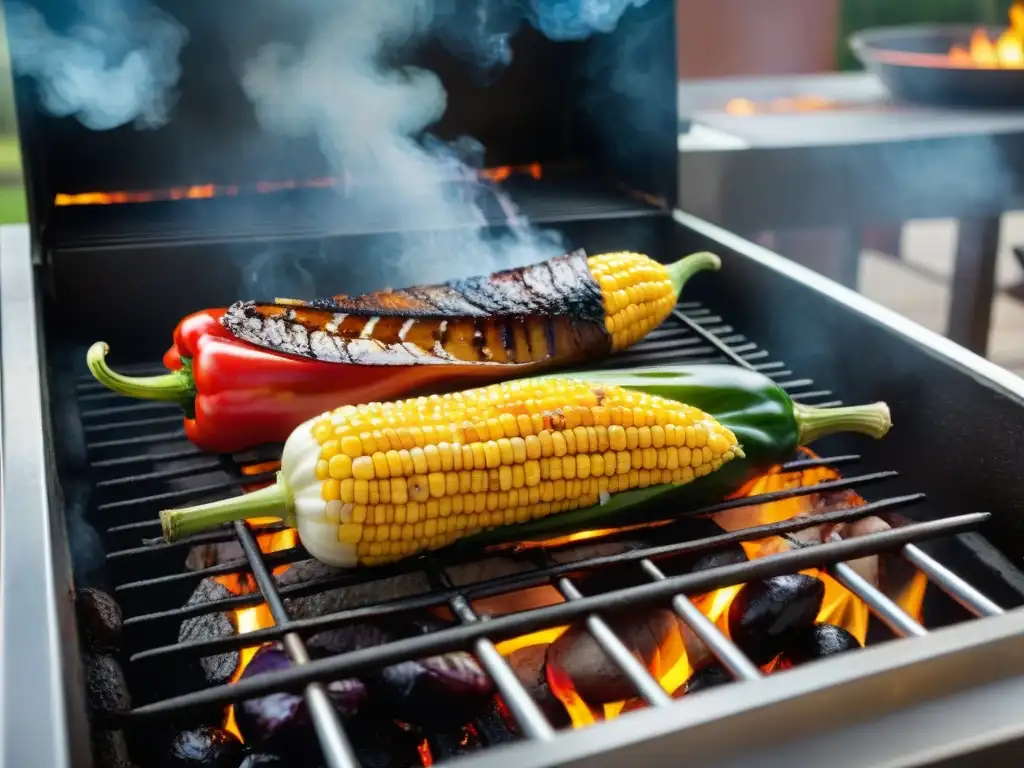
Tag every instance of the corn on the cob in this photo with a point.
(638, 294)
(562, 311)
(373, 483)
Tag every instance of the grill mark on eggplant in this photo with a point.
(363, 329)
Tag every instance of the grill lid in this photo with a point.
(163, 100)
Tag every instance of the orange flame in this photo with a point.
(1005, 52)
(204, 191)
(839, 606)
(258, 616)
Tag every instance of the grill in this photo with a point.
(85, 473)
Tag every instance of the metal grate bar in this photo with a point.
(505, 627)
(732, 658)
(504, 584)
(894, 617)
(337, 750)
(526, 713)
(114, 426)
(134, 442)
(950, 583)
(117, 410)
(162, 474)
(641, 679)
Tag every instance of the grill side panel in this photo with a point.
(956, 416)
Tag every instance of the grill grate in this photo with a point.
(143, 464)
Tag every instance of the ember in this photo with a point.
(342, 184)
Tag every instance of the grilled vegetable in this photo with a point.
(250, 374)
(378, 482)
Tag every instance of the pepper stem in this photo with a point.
(273, 501)
(872, 419)
(680, 272)
(175, 387)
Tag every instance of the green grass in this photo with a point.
(12, 205)
(10, 155)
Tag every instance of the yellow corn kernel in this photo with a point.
(399, 478)
(637, 294)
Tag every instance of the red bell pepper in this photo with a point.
(236, 395)
(189, 331)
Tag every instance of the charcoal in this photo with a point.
(528, 665)
(437, 692)
(493, 726)
(698, 655)
(208, 555)
(381, 743)
(221, 667)
(204, 748)
(109, 750)
(766, 615)
(311, 572)
(818, 642)
(709, 677)
(106, 688)
(730, 556)
(652, 635)
(99, 617)
(350, 637)
(263, 760)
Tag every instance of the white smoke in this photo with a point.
(370, 116)
(117, 64)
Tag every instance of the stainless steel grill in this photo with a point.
(143, 463)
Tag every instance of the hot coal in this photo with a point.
(106, 688)
(208, 626)
(651, 635)
(280, 722)
(204, 748)
(109, 750)
(99, 617)
(766, 615)
(709, 677)
(263, 760)
(437, 692)
(528, 665)
(818, 642)
(698, 655)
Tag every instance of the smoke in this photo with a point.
(371, 118)
(117, 63)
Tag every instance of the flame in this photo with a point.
(1005, 52)
(258, 616)
(426, 758)
(343, 184)
(783, 105)
(839, 606)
